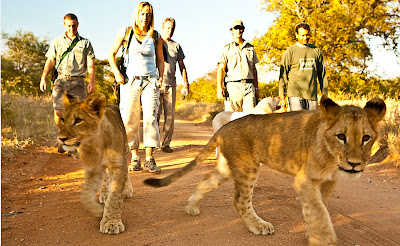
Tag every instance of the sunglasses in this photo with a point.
(239, 28)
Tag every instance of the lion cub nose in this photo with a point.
(63, 139)
(353, 164)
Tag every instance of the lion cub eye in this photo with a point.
(341, 137)
(366, 138)
(77, 121)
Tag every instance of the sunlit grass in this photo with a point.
(29, 120)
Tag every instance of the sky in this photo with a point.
(202, 26)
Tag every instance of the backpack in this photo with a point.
(128, 37)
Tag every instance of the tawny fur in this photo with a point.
(96, 131)
(314, 146)
(265, 106)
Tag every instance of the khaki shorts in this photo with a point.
(76, 88)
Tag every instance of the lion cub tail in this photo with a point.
(208, 149)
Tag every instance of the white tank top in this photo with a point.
(141, 58)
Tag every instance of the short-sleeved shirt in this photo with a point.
(75, 63)
(239, 61)
(172, 54)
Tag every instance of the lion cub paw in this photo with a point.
(192, 210)
(128, 191)
(103, 197)
(261, 228)
(111, 226)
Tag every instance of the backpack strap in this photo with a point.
(127, 40)
(155, 37)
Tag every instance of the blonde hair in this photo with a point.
(138, 8)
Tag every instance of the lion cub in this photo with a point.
(96, 131)
(314, 146)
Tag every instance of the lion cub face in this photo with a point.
(81, 120)
(351, 132)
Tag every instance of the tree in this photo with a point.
(22, 62)
(340, 28)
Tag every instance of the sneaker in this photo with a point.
(135, 164)
(167, 149)
(151, 166)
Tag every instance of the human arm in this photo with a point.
(283, 80)
(182, 67)
(220, 80)
(255, 83)
(48, 66)
(112, 57)
(322, 79)
(92, 72)
(160, 61)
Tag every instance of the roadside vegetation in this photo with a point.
(26, 112)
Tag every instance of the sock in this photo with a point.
(149, 158)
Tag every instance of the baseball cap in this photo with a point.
(237, 23)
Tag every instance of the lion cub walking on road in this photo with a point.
(314, 146)
(96, 131)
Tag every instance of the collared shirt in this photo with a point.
(172, 54)
(239, 61)
(75, 63)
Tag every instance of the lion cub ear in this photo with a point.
(376, 109)
(68, 99)
(328, 107)
(97, 103)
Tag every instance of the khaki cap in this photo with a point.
(237, 23)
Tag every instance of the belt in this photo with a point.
(242, 81)
(69, 77)
(144, 77)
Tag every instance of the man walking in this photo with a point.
(73, 57)
(237, 66)
(173, 54)
(301, 67)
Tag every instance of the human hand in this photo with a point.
(43, 85)
(119, 78)
(91, 87)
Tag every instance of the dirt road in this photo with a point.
(40, 204)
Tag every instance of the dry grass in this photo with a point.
(24, 121)
(29, 120)
(199, 112)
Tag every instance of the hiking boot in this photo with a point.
(135, 164)
(167, 149)
(151, 166)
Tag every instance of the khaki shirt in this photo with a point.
(75, 63)
(239, 62)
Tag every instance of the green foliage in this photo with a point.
(22, 63)
(204, 89)
(340, 29)
(268, 89)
